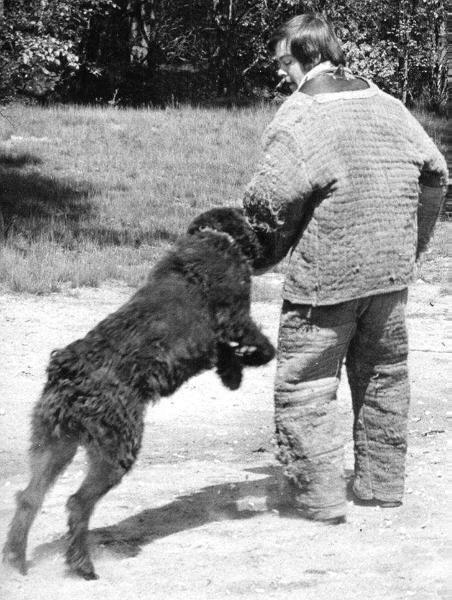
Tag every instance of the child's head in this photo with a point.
(310, 39)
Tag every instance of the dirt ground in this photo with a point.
(189, 522)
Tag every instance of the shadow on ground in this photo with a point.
(62, 210)
(31, 201)
(230, 501)
(236, 500)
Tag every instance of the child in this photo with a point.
(351, 185)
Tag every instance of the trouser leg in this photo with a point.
(378, 376)
(311, 347)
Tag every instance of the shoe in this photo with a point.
(336, 520)
(376, 502)
(328, 516)
(288, 500)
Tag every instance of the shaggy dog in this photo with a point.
(192, 314)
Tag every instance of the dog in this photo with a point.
(192, 314)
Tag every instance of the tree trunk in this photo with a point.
(403, 49)
(42, 9)
(405, 76)
(2, 227)
(142, 18)
(440, 68)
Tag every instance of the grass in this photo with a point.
(93, 194)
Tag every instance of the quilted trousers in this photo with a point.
(370, 333)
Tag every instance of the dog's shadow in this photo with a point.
(228, 501)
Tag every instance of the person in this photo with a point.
(349, 187)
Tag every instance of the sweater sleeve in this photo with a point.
(432, 183)
(275, 199)
(430, 203)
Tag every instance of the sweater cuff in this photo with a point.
(430, 204)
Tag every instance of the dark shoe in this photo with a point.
(329, 516)
(289, 501)
(336, 520)
(376, 502)
(280, 495)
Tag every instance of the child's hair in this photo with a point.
(310, 39)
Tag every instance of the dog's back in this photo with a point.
(146, 349)
(195, 302)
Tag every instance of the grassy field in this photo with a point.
(94, 194)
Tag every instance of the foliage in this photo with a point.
(161, 51)
(41, 45)
(92, 193)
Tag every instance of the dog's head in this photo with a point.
(232, 222)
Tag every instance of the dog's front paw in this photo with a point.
(229, 367)
(232, 377)
(253, 348)
(254, 356)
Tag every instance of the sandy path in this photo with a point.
(174, 529)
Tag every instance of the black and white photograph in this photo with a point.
(224, 336)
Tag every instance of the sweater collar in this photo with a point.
(323, 67)
(328, 67)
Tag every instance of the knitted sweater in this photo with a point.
(340, 186)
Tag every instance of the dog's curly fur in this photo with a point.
(192, 314)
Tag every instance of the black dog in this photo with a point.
(192, 314)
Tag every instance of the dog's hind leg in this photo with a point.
(46, 463)
(103, 475)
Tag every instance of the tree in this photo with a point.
(158, 51)
(41, 43)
